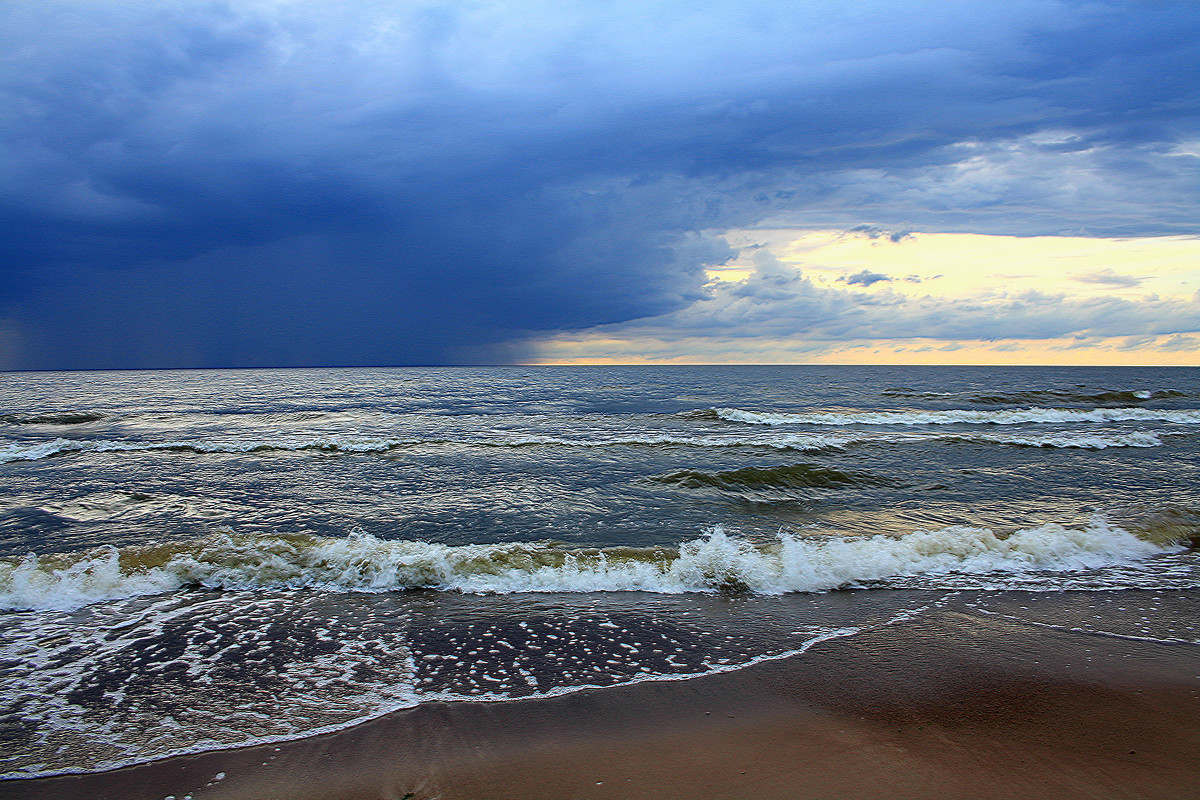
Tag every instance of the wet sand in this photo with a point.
(947, 705)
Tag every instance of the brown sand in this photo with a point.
(945, 706)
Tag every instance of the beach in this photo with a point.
(949, 704)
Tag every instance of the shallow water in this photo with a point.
(203, 559)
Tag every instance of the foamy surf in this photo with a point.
(719, 561)
(958, 416)
(21, 452)
(251, 669)
(1038, 396)
(1091, 440)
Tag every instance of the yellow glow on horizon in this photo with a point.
(1161, 351)
(950, 263)
(929, 266)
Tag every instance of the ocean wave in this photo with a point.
(786, 476)
(719, 561)
(1035, 396)
(40, 450)
(1082, 441)
(1161, 523)
(916, 393)
(1056, 395)
(1021, 416)
(800, 442)
(53, 418)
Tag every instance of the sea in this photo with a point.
(200, 560)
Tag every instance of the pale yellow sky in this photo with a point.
(970, 262)
(964, 273)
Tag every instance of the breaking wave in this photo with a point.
(719, 561)
(1020, 416)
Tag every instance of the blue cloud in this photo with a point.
(865, 278)
(220, 183)
(873, 232)
(1106, 277)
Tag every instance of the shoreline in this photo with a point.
(945, 705)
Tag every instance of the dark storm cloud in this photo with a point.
(259, 183)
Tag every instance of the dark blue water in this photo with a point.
(199, 559)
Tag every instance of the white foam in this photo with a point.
(800, 648)
(364, 563)
(122, 650)
(1020, 416)
(29, 584)
(25, 452)
(1086, 441)
(779, 441)
(22, 452)
(128, 745)
(33, 452)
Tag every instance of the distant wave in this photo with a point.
(718, 561)
(52, 418)
(787, 476)
(40, 450)
(801, 442)
(33, 452)
(917, 394)
(1056, 395)
(1036, 396)
(1021, 416)
(1080, 440)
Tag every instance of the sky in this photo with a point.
(271, 183)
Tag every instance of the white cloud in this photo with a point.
(789, 309)
(1106, 277)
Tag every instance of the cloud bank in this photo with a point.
(273, 183)
(784, 304)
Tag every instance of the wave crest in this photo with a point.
(785, 476)
(53, 418)
(811, 442)
(364, 563)
(1056, 395)
(957, 416)
(1035, 396)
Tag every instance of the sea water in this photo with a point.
(193, 560)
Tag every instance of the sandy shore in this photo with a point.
(943, 706)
